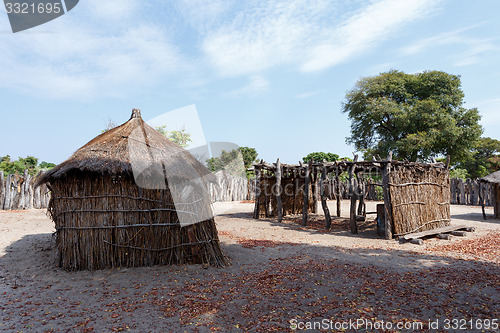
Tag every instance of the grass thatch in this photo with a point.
(420, 197)
(104, 219)
(109, 153)
(492, 178)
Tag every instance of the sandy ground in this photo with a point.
(280, 276)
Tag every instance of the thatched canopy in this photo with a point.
(492, 178)
(131, 197)
(132, 147)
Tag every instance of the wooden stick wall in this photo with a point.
(416, 195)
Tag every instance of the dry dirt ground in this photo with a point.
(280, 276)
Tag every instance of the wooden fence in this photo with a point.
(17, 192)
(371, 190)
(463, 192)
(228, 188)
(471, 192)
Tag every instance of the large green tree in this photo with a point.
(415, 115)
(320, 156)
(249, 156)
(483, 159)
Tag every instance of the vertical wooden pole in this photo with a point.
(481, 198)
(279, 191)
(6, 203)
(380, 219)
(2, 189)
(296, 175)
(353, 223)
(496, 199)
(387, 197)
(361, 191)
(267, 195)
(354, 196)
(314, 188)
(462, 192)
(22, 187)
(257, 192)
(305, 206)
(453, 186)
(337, 186)
(36, 198)
(326, 211)
(30, 192)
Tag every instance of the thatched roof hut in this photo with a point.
(494, 178)
(131, 197)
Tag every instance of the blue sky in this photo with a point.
(265, 74)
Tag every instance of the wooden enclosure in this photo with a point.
(494, 180)
(416, 195)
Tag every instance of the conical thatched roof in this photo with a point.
(128, 150)
(492, 178)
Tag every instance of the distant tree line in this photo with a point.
(422, 117)
(230, 161)
(30, 163)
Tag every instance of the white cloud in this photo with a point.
(79, 60)
(313, 35)
(364, 30)
(105, 48)
(203, 14)
(470, 48)
(262, 37)
(258, 84)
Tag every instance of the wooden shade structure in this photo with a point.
(416, 195)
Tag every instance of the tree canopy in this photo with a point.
(320, 156)
(179, 137)
(29, 163)
(414, 115)
(483, 159)
(229, 161)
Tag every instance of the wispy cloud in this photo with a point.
(258, 84)
(101, 49)
(311, 35)
(364, 30)
(469, 51)
(81, 61)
